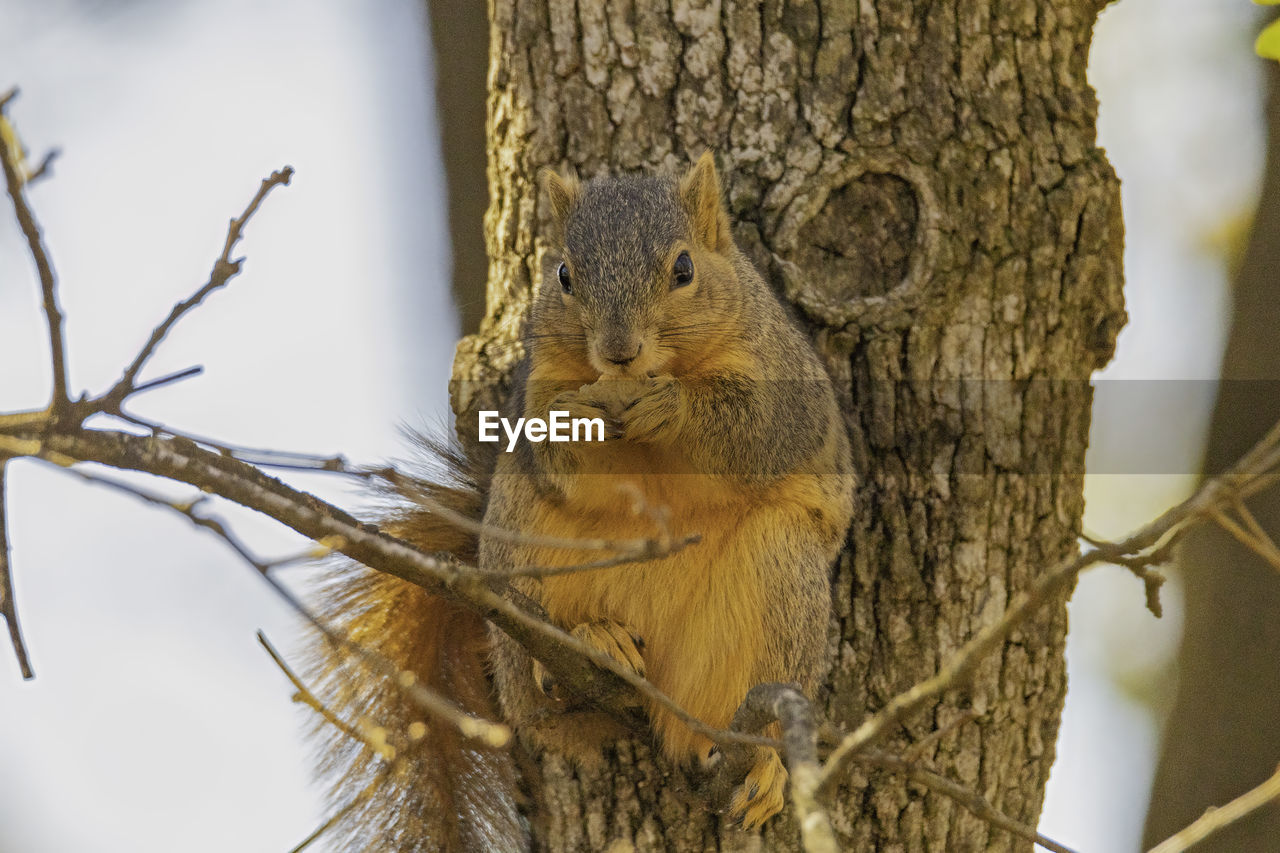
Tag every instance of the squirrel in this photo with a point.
(718, 410)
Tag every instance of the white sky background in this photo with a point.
(155, 722)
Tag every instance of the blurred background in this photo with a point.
(155, 722)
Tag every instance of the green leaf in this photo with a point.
(1266, 2)
(1268, 43)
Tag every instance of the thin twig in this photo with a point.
(1243, 536)
(1252, 535)
(1216, 819)
(1141, 567)
(8, 605)
(1254, 527)
(308, 698)
(1152, 580)
(973, 802)
(651, 550)
(168, 379)
(45, 168)
(917, 750)
(224, 269)
(264, 457)
(304, 695)
(14, 179)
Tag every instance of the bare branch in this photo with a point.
(1216, 819)
(575, 665)
(492, 734)
(17, 421)
(8, 605)
(267, 458)
(1149, 543)
(224, 269)
(14, 179)
(1152, 580)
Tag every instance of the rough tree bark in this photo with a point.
(1223, 735)
(920, 179)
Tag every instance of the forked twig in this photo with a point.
(224, 269)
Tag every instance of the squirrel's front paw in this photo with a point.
(653, 410)
(760, 796)
(581, 404)
(617, 641)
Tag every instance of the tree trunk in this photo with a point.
(1223, 735)
(920, 179)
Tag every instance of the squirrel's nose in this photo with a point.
(623, 354)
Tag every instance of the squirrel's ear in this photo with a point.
(700, 194)
(562, 192)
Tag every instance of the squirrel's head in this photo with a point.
(642, 281)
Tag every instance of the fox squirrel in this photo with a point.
(718, 409)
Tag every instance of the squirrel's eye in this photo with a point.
(682, 270)
(566, 284)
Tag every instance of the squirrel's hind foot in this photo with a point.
(617, 641)
(760, 796)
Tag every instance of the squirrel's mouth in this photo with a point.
(629, 372)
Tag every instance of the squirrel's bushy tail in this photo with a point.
(440, 792)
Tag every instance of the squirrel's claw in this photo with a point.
(546, 682)
(760, 796)
(617, 641)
